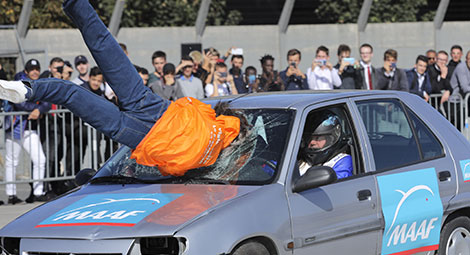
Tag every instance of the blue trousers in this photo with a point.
(139, 108)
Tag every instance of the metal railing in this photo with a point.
(68, 144)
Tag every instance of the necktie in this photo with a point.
(370, 77)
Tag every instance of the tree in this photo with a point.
(137, 13)
(347, 11)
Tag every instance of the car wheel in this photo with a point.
(251, 248)
(455, 237)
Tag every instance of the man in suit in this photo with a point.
(366, 70)
(438, 75)
(390, 77)
(418, 78)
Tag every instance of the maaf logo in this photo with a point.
(124, 210)
(465, 167)
(412, 209)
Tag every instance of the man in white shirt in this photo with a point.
(223, 84)
(367, 70)
(321, 75)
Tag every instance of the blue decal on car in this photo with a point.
(412, 208)
(465, 166)
(123, 210)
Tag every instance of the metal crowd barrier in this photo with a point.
(68, 143)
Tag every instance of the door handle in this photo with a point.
(364, 195)
(444, 176)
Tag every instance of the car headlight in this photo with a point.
(162, 245)
(10, 245)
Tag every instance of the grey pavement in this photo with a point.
(11, 212)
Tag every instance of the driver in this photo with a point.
(323, 144)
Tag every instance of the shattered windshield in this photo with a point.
(254, 159)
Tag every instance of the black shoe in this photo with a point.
(33, 198)
(14, 200)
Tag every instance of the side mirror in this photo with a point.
(315, 176)
(84, 176)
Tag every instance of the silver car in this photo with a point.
(409, 191)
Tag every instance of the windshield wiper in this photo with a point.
(207, 181)
(121, 179)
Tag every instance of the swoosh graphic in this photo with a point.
(405, 196)
(110, 201)
(465, 166)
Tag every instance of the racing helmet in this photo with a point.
(325, 127)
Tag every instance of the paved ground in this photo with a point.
(11, 212)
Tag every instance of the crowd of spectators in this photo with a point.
(210, 74)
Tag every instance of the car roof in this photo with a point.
(292, 99)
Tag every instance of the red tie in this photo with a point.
(370, 77)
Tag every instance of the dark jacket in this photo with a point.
(396, 82)
(351, 78)
(293, 82)
(451, 67)
(412, 76)
(438, 84)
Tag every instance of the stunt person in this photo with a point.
(175, 136)
(322, 145)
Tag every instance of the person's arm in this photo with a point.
(312, 84)
(336, 80)
(179, 91)
(279, 81)
(209, 89)
(233, 88)
(344, 167)
(382, 80)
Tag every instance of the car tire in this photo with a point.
(455, 237)
(251, 248)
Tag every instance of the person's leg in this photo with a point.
(124, 127)
(32, 145)
(13, 150)
(116, 67)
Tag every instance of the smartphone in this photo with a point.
(237, 51)
(293, 64)
(322, 62)
(393, 65)
(349, 60)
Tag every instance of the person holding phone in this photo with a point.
(292, 77)
(321, 75)
(223, 84)
(348, 68)
(389, 76)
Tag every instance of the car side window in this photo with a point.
(328, 140)
(390, 134)
(430, 146)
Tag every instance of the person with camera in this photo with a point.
(321, 75)
(348, 69)
(223, 84)
(167, 87)
(389, 77)
(269, 79)
(292, 77)
(56, 67)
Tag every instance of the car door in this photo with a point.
(342, 217)
(413, 174)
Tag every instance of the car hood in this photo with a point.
(122, 211)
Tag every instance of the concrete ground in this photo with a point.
(11, 212)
